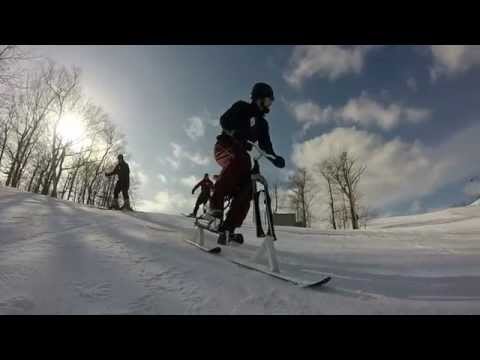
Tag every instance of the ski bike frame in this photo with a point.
(267, 246)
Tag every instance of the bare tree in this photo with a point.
(366, 214)
(12, 57)
(6, 125)
(343, 211)
(85, 180)
(29, 116)
(303, 191)
(65, 87)
(111, 138)
(325, 170)
(275, 197)
(346, 172)
(39, 164)
(9, 56)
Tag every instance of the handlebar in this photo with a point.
(261, 152)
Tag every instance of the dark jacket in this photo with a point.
(247, 123)
(205, 184)
(123, 172)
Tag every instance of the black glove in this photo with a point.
(279, 162)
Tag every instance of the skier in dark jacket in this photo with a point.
(122, 170)
(243, 121)
(206, 187)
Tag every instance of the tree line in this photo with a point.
(37, 97)
(341, 174)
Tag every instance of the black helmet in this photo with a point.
(206, 175)
(120, 157)
(262, 90)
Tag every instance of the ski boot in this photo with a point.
(126, 206)
(227, 237)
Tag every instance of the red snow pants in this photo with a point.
(234, 181)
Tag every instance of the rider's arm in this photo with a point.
(196, 187)
(114, 172)
(264, 138)
(265, 144)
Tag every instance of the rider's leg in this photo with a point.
(202, 199)
(116, 191)
(239, 208)
(126, 198)
(236, 169)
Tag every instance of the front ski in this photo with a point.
(299, 282)
(214, 250)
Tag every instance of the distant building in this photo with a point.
(285, 219)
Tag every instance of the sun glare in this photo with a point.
(71, 129)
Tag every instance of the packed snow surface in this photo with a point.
(57, 257)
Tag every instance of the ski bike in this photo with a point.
(264, 226)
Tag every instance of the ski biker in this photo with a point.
(122, 170)
(206, 187)
(241, 123)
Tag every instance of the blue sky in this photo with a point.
(408, 112)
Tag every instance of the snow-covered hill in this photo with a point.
(57, 257)
(459, 220)
(475, 203)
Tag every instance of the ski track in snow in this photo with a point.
(57, 257)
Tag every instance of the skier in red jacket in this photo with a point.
(206, 186)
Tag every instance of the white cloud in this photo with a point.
(174, 163)
(214, 122)
(397, 171)
(179, 153)
(144, 179)
(363, 111)
(177, 150)
(140, 180)
(197, 158)
(195, 128)
(366, 111)
(137, 171)
(453, 59)
(162, 178)
(189, 181)
(392, 166)
(327, 61)
(167, 202)
(286, 174)
(310, 113)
